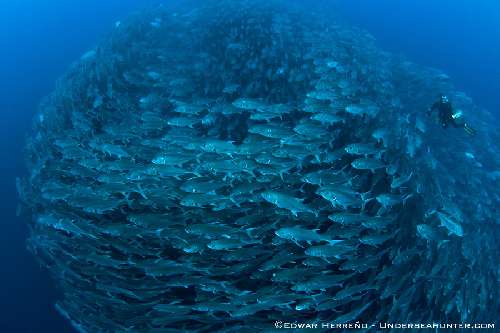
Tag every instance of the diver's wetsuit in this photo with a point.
(445, 113)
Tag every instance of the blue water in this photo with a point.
(460, 37)
(40, 38)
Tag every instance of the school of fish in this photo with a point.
(219, 167)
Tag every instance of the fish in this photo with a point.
(219, 147)
(271, 131)
(375, 239)
(113, 150)
(348, 218)
(249, 104)
(189, 109)
(325, 177)
(265, 116)
(453, 226)
(204, 185)
(361, 265)
(251, 309)
(390, 200)
(378, 222)
(371, 164)
(202, 199)
(428, 233)
(362, 149)
(323, 95)
(65, 225)
(183, 122)
(310, 130)
(398, 182)
(340, 196)
(288, 202)
(291, 275)
(298, 234)
(338, 250)
(353, 290)
(226, 244)
(210, 230)
(327, 118)
(278, 109)
(278, 260)
(360, 110)
(321, 283)
(172, 159)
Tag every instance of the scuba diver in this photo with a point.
(447, 117)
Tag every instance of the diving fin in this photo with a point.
(469, 130)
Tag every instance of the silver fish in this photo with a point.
(285, 201)
(298, 234)
(371, 164)
(249, 103)
(362, 149)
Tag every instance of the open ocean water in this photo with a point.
(41, 39)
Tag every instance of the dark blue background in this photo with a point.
(39, 39)
(461, 37)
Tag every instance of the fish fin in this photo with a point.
(408, 197)
(365, 194)
(381, 211)
(249, 231)
(379, 154)
(442, 242)
(341, 171)
(141, 191)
